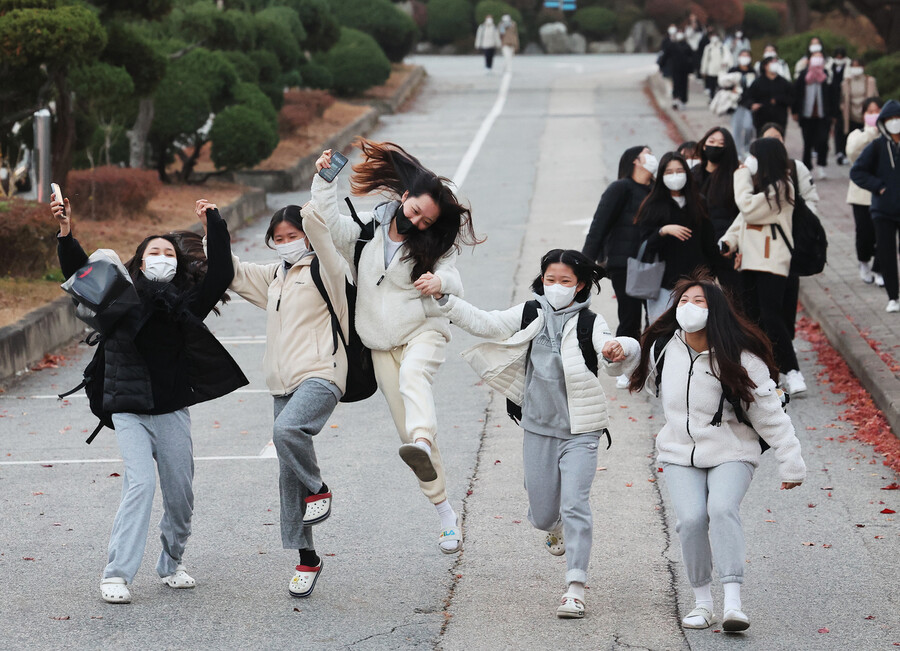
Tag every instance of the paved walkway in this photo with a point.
(850, 312)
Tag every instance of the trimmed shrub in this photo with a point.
(301, 107)
(27, 238)
(886, 71)
(761, 20)
(316, 76)
(252, 97)
(595, 23)
(241, 138)
(322, 28)
(279, 30)
(496, 8)
(291, 79)
(449, 21)
(356, 63)
(269, 75)
(112, 192)
(246, 68)
(394, 30)
(793, 48)
(625, 20)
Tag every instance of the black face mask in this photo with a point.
(404, 225)
(714, 154)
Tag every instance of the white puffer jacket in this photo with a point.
(690, 396)
(389, 309)
(502, 362)
(716, 59)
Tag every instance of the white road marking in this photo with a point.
(269, 451)
(62, 462)
(459, 177)
(586, 223)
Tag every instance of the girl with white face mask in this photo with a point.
(675, 227)
(742, 118)
(714, 374)
(305, 366)
(814, 106)
(548, 372)
(157, 361)
(860, 200)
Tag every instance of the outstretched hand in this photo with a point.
(61, 209)
(200, 209)
(429, 285)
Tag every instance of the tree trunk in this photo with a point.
(137, 135)
(63, 131)
(886, 19)
(798, 15)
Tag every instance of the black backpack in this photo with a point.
(585, 332)
(361, 382)
(734, 401)
(809, 252)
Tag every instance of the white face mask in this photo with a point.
(745, 60)
(693, 162)
(815, 47)
(559, 296)
(672, 30)
(160, 268)
(739, 35)
(752, 164)
(893, 126)
(854, 71)
(691, 317)
(676, 181)
(650, 164)
(291, 252)
(770, 55)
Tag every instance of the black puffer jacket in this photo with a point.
(161, 357)
(613, 236)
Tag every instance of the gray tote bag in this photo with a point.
(644, 279)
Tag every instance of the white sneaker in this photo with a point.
(820, 173)
(622, 382)
(795, 382)
(865, 273)
(879, 279)
(893, 306)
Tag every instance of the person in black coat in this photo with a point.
(673, 223)
(678, 58)
(155, 362)
(771, 96)
(613, 236)
(814, 109)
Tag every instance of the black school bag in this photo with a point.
(361, 382)
(585, 331)
(809, 252)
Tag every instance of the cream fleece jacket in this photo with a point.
(501, 363)
(690, 398)
(753, 234)
(857, 140)
(299, 334)
(389, 309)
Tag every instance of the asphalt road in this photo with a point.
(543, 152)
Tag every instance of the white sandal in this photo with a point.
(735, 621)
(555, 542)
(180, 579)
(318, 508)
(708, 618)
(304, 580)
(419, 460)
(571, 607)
(450, 535)
(114, 590)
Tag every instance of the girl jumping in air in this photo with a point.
(410, 246)
(544, 357)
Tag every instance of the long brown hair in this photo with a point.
(728, 332)
(389, 169)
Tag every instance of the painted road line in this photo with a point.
(269, 451)
(465, 165)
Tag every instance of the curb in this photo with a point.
(873, 374)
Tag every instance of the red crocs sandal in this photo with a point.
(304, 580)
(318, 508)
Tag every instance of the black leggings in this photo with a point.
(815, 137)
(770, 290)
(865, 235)
(886, 230)
(680, 86)
(489, 57)
(629, 308)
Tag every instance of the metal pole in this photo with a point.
(42, 156)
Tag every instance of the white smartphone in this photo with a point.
(54, 188)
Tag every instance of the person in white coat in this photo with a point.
(716, 60)
(715, 376)
(413, 248)
(488, 40)
(544, 357)
(861, 200)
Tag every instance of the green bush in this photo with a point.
(886, 71)
(27, 242)
(761, 20)
(449, 21)
(246, 68)
(251, 96)
(356, 63)
(316, 76)
(625, 20)
(269, 75)
(496, 8)
(241, 138)
(595, 23)
(322, 28)
(279, 30)
(291, 79)
(793, 48)
(394, 30)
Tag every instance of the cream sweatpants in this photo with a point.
(405, 375)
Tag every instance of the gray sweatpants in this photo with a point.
(558, 477)
(298, 417)
(708, 511)
(143, 438)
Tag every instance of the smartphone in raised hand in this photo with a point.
(54, 188)
(338, 160)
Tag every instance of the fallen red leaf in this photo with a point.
(61, 619)
(888, 511)
(496, 462)
(861, 526)
(114, 474)
(826, 545)
(27, 558)
(297, 610)
(824, 630)
(628, 485)
(811, 505)
(891, 487)
(869, 617)
(659, 469)
(809, 544)
(329, 554)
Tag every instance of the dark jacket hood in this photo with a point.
(891, 109)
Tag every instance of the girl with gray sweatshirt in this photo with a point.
(544, 356)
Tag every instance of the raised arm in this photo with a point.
(496, 325)
(344, 231)
(219, 268)
(332, 265)
(71, 256)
